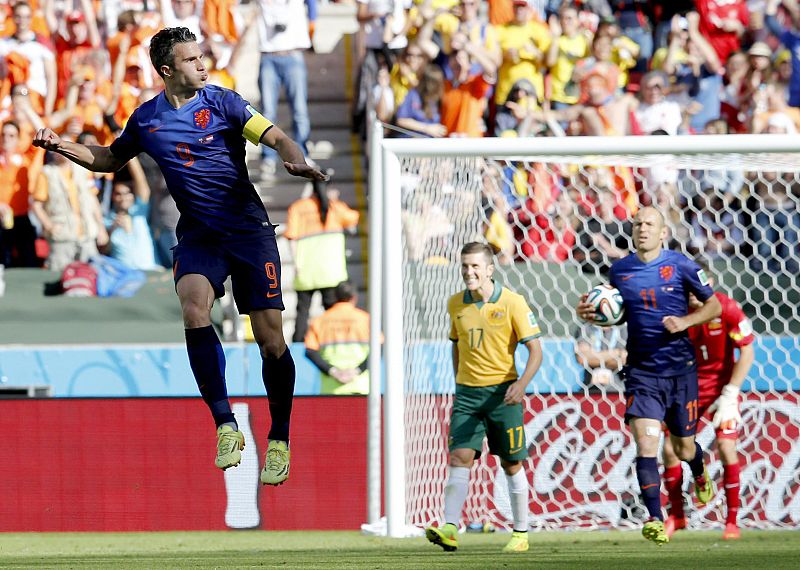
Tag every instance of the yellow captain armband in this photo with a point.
(256, 126)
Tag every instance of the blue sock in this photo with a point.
(696, 464)
(650, 485)
(207, 360)
(278, 375)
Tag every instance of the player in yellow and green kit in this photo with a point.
(487, 322)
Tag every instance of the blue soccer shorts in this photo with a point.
(252, 261)
(671, 399)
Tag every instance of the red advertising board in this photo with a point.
(581, 466)
(147, 464)
(139, 464)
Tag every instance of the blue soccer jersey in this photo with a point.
(650, 292)
(201, 151)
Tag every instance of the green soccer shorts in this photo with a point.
(479, 411)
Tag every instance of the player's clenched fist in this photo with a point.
(675, 324)
(47, 139)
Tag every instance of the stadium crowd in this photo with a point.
(432, 68)
(80, 67)
(521, 68)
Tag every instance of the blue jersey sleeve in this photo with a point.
(612, 275)
(695, 280)
(241, 115)
(126, 146)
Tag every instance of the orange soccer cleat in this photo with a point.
(674, 523)
(731, 532)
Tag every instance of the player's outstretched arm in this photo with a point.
(94, 158)
(291, 155)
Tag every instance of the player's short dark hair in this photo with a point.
(478, 247)
(345, 291)
(162, 46)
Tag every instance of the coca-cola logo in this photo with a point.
(582, 474)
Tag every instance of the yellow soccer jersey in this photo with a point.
(570, 51)
(488, 334)
(519, 37)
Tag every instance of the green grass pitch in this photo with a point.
(260, 549)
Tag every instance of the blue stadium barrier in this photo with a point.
(156, 371)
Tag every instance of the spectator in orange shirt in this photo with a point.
(74, 38)
(316, 228)
(221, 20)
(42, 81)
(338, 344)
(38, 19)
(17, 234)
(83, 109)
(134, 29)
(465, 94)
(501, 12)
(17, 107)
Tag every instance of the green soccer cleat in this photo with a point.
(444, 537)
(654, 530)
(704, 488)
(276, 463)
(230, 444)
(518, 542)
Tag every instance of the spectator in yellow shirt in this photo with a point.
(524, 42)
(570, 45)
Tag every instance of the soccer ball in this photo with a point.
(608, 306)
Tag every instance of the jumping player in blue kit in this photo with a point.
(661, 370)
(196, 133)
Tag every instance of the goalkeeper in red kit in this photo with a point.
(719, 376)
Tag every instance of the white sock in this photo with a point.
(518, 492)
(455, 493)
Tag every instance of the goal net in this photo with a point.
(557, 211)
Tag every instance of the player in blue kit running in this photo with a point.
(661, 368)
(196, 133)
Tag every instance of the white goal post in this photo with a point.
(416, 393)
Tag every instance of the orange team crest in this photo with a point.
(202, 118)
(666, 272)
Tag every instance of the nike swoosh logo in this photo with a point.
(154, 129)
(271, 295)
(648, 486)
(626, 277)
